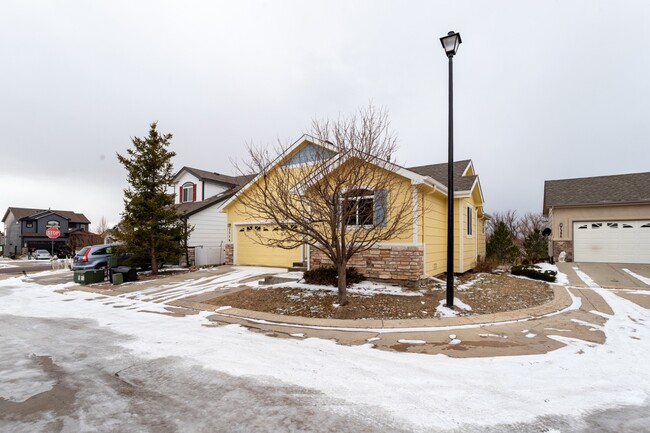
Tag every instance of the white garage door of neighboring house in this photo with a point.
(612, 241)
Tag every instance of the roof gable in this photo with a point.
(210, 176)
(21, 212)
(598, 190)
(309, 153)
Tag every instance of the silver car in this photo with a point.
(92, 257)
(41, 255)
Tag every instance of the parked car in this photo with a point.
(64, 252)
(41, 255)
(98, 256)
(92, 257)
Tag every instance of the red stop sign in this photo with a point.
(53, 232)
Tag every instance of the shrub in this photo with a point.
(486, 264)
(534, 272)
(329, 276)
(500, 246)
(535, 246)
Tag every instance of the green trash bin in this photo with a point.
(89, 277)
(117, 278)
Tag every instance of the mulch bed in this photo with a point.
(489, 293)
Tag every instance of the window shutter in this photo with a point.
(180, 194)
(380, 208)
(193, 192)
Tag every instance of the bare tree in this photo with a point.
(509, 218)
(102, 227)
(530, 222)
(344, 201)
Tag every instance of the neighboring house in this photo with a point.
(25, 229)
(415, 255)
(600, 219)
(199, 195)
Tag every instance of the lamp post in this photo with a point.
(450, 43)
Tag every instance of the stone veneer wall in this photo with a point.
(230, 249)
(566, 246)
(397, 263)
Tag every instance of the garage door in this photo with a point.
(612, 241)
(249, 252)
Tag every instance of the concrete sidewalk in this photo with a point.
(517, 332)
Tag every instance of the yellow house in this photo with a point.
(419, 250)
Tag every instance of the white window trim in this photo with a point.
(469, 223)
(187, 186)
(357, 198)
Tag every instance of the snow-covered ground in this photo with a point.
(420, 392)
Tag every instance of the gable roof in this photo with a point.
(439, 173)
(21, 212)
(190, 208)
(215, 177)
(434, 175)
(616, 189)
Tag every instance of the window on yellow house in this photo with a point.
(469, 221)
(363, 207)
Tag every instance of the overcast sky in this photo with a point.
(543, 90)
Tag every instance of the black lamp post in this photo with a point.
(450, 43)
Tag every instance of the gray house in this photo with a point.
(25, 229)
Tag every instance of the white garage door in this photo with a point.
(612, 241)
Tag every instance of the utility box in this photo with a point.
(117, 278)
(126, 273)
(89, 277)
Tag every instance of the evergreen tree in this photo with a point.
(150, 227)
(535, 246)
(500, 246)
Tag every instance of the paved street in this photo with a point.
(75, 361)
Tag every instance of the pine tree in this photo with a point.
(500, 245)
(151, 227)
(535, 246)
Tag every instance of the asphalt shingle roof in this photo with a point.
(439, 173)
(21, 212)
(217, 177)
(617, 189)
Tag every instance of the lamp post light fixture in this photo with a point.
(450, 43)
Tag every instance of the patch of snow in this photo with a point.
(21, 379)
(443, 311)
(557, 330)
(370, 340)
(223, 308)
(644, 280)
(531, 335)
(297, 335)
(365, 288)
(530, 386)
(455, 341)
(404, 341)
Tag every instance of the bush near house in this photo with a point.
(535, 272)
(329, 276)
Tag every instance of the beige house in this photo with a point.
(600, 219)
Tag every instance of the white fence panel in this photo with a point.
(205, 256)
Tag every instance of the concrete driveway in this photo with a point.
(611, 275)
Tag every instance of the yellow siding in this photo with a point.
(249, 252)
(434, 232)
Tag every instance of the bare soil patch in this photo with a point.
(484, 293)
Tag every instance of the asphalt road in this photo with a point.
(75, 375)
(20, 266)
